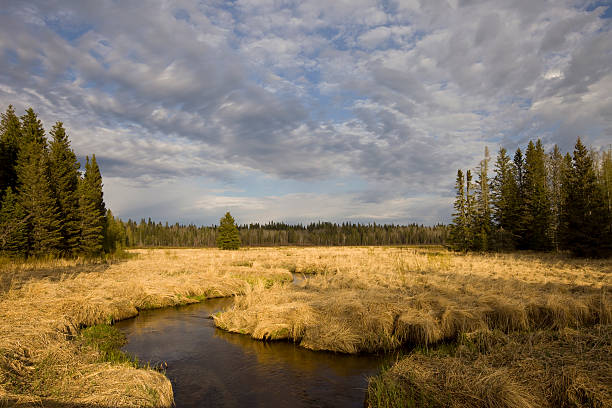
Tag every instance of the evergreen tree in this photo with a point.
(92, 210)
(32, 129)
(13, 226)
(584, 215)
(519, 209)
(115, 234)
(228, 236)
(64, 176)
(503, 194)
(555, 172)
(35, 194)
(483, 226)
(537, 217)
(605, 178)
(459, 227)
(471, 214)
(10, 135)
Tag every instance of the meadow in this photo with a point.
(497, 330)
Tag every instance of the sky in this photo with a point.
(300, 111)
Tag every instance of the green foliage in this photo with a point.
(228, 236)
(107, 340)
(10, 134)
(537, 217)
(539, 202)
(585, 218)
(46, 208)
(35, 194)
(13, 226)
(63, 166)
(92, 210)
(114, 233)
(503, 194)
(459, 227)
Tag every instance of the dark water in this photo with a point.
(212, 368)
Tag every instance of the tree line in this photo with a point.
(536, 200)
(48, 207)
(148, 233)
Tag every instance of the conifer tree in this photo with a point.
(34, 188)
(459, 227)
(228, 236)
(555, 170)
(483, 225)
(64, 176)
(584, 216)
(10, 135)
(536, 218)
(470, 211)
(519, 209)
(503, 194)
(13, 226)
(92, 210)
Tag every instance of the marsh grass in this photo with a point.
(355, 300)
(55, 348)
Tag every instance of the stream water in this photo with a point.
(209, 367)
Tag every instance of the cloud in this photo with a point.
(396, 95)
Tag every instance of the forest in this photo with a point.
(48, 207)
(536, 201)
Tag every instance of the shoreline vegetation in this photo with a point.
(500, 330)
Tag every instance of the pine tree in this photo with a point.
(10, 135)
(459, 227)
(584, 215)
(13, 226)
(35, 194)
(65, 177)
(228, 236)
(503, 194)
(537, 217)
(92, 210)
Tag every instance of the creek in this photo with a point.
(209, 367)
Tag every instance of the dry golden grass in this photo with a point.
(357, 299)
(41, 364)
(564, 368)
(371, 299)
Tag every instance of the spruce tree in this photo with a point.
(13, 226)
(537, 217)
(471, 214)
(519, 209)
(92, 210)
(64, 176)
(555, 170)
(584, 215)
(459, 227)
(503, 194)
(10, 135)
(35, 193)
(483, 203)
(227, 235)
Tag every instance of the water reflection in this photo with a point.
(210, 367)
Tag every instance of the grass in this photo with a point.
(56, 345)
(490, 330)
(381, 299)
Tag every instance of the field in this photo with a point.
(500, 330)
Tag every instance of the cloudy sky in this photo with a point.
(301, 111)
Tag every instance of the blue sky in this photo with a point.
(300, 111)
